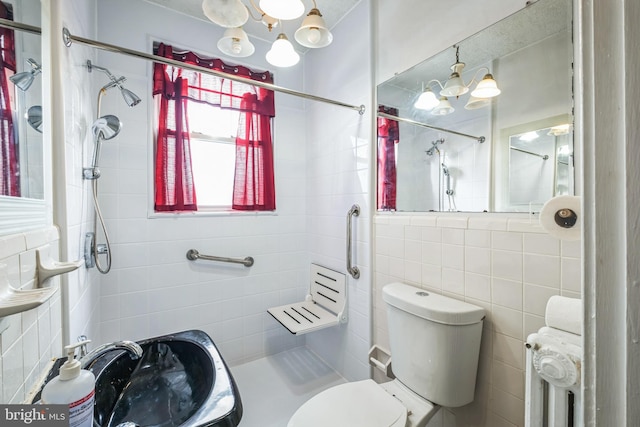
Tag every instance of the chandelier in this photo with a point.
(233, 14)
(455, 86)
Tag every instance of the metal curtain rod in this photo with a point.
(20, 26)
(69, 38)
(480, 139)
(542, 156)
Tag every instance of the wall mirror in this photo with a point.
(455, 145)
(22, 181)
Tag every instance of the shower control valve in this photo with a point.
(90, 173)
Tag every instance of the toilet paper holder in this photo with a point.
(380, 358)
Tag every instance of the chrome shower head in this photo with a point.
(129, 97)
(106, 127)
(24, 79)
(445, 170)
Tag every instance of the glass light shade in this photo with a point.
(426, 101)
(282, 53)
(454, 86)
(226, 13)
(444, 107)
(313, 32)
(282, 9)
(474, 103)
(529, 136)
(487, 88)
(560, 130)
(236, 43)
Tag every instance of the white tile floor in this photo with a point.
(274, 387)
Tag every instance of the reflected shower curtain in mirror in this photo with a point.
(10, 171)
(388, 137)
(254, 187)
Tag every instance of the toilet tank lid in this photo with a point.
(431, 306)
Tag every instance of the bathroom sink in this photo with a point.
(180, 380)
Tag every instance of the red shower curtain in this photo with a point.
(388, 137)
(10, 166)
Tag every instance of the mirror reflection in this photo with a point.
(449, 148)
(21, 152)
(540, 159)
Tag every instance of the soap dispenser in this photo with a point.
(74, 387)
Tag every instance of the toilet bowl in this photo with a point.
(435, 345)
(365, 404)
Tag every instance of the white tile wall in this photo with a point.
(33, 337)
(339, 175)
(152, 288)
(511, 274)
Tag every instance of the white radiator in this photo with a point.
(553, 369)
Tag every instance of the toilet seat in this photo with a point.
(355, 404)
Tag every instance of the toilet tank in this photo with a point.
(434, 342)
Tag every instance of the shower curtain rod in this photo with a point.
(20, 26)
(69, 38)
(480, 139)
(542, 156)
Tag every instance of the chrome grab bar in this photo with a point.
(193, 255)
(353, 270)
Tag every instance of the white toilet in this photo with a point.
(435, 343)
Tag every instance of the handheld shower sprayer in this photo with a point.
(445, 171)
(103, 129)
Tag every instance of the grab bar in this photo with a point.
(193, 255)
(353, 270)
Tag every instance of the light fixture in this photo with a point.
(529, 136)
(427, 100)
(226, 13)
(24, 79)
(313, 32)
(474, 103)
(486, 88)
(560, 130)
(454, 86)
(236, 43)
(443, 108)
(283, 9)
(233, 14)
(282, 53)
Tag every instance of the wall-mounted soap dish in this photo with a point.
(14, 301)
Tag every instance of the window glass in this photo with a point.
(213, 154)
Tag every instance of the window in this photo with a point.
(213, 133)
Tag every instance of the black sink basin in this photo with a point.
(180, 380)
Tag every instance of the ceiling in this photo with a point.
(332, 12)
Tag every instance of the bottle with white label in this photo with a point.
(74, 387)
